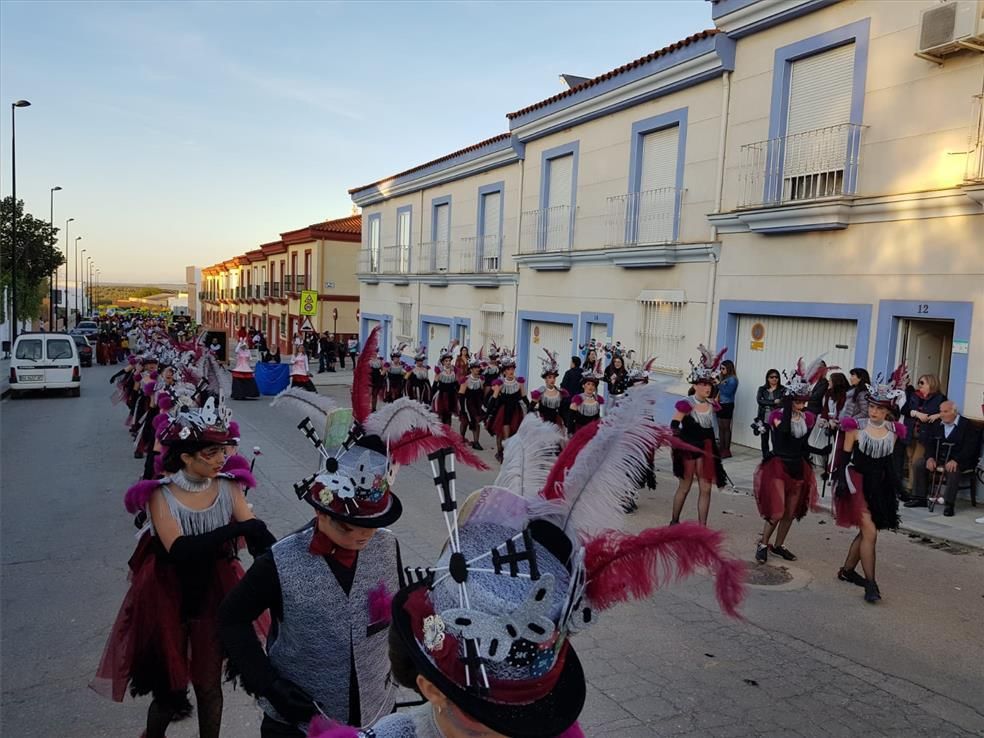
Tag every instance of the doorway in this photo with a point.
(925, 346)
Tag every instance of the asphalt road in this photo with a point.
(809, 658)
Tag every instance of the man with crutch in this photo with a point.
(952, 450)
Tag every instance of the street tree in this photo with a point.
(37, 256)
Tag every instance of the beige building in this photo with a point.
(804, 178)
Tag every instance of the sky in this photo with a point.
(185, 133)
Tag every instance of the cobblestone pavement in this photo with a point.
(809, 658)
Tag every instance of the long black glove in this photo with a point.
(841, 460)
(189, 549)
(259, 541)
(292, 702)
(120, 373)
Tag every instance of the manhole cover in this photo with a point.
(767, 576)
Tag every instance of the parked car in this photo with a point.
(87, 328)
(84, 347)
(44, 361)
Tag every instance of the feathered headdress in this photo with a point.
(396, 351)
(506, 359)
(549, 361)
(593, 373)
(708, 366)
(891, 392)
(801, 379)
(448, 351)
(420, 354)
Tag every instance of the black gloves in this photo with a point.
(189, 549)
(292, 702)
(258, 538)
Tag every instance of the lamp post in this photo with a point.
(13, 218)
(98, 272)
(76, 282)
(66, 270)
(89, 262)
(53, 287)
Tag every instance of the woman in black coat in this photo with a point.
(769, 398)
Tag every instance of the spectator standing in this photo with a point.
(616, 376)
(332, 353)
(323, 352)
(727, 389)
(340, 349)
(951, 446)
(353, 349)
(857, 398)
(920, 415)
(817, 392)
(769, 398)
(828, 420)
(572, 377)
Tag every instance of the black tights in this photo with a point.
(162, 712)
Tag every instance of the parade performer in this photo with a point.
(505, 406)
(158, 382)
(143, 389)
(300, 373)
(549, 401)
(328, 586)
(866, 482)
(377, 378)
(121, 380)
(418, 378)
(462, 363)
(491, 371)
(243, 382)
(785, 486)
(471, 402)
(445, 388)
(696, 423)
(395, 372)
(131, 387)
(485, 633)
(586, 406)
(165, 635)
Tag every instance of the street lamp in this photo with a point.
(54, 273)
(66, 271)
(13, 219)
(88, 281)
(76, 282)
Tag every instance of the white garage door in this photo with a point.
(557, 337)
(437, 337)
(783, 342)
(370, 324)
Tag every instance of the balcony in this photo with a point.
(434, 257)
(644, 218)
(275, 289)
(546, 236)
(396, 261)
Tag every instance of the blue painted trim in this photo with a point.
(640, 128)
(435, 203)
(717, 44)
(385, 321)
(589, 319)
(524, 339)
(730, 310)
(722, 8)
(546, 158)
(484, 190)
(378, 217)
(457, 323)
(399, 211)
(890, 315)
(856, 33)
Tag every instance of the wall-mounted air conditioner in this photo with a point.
(949, 27)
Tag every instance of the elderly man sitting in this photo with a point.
(952, 448)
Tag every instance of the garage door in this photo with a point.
(782, 342)
(557, 337)
(438, 336)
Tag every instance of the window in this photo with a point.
(29, 349)
(656, 205)
(555, 222)
(403, 240)
(441, 234)
(373, 243)
(405, 321)
(493, 320)
(307, 281)
(292, 287)
(661, 333)
(491, 231)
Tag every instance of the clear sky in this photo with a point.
(186, 133)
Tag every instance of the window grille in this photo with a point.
(405, 322)
(492, 328)
(661, 334)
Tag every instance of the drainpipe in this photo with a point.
(718, 201)
(519, 228)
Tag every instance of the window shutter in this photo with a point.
(442, 225)
(403, 229)
(659, 159)
(820, 89)
(561, 172)
(490, 213)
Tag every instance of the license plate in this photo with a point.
(29, 377)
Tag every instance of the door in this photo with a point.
(557, 337)
(28, 360)
(437, 336)
(61, 358)
(767, 342)
(461, 333)
(370, 324)
(926, 346)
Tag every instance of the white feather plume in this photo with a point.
(528, 457)
(302, 399)
(401, 416)
(608, 468)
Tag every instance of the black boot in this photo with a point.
(871, 593)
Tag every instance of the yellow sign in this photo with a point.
(309, 302)
(758, 346)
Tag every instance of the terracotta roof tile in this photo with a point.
(348, 224)
(452, 155)
(615, 72)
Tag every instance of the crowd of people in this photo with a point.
(328, 622)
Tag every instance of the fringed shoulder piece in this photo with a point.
(237, 468)
(600, 399)
(534, 395)
(565, 394)
(521, 380)
(578, 399)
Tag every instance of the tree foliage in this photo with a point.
(37, 255)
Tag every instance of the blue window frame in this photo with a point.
(483, 192)
(374, 231)
(547, 157)
(674, 118)
(405, 249)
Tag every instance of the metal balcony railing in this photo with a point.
(370, 261)
(547, 229)
(434, 257)
(801, 167)
(975, 148)
(275, 289)
(643, 218)
(396, 259)
(481, 254)
(266, 289)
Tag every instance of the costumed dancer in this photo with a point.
(586, 406)
(395, 372)
(549, 401)
(504, 408)
(471, 402)
(329, 585)
(143, 389)
(162, 381)
(785, 486)
(418, 378)
(243, 382)
(866, 483)
(491, 371)
(165, 635)
(300, 373)
(377, 377)
(121, 379)
(445, 387)
(696, 423)
(487, 644)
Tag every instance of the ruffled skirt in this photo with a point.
(710, 469)
(873, 494)
(244, 386)
(505, 415)
(780, 494)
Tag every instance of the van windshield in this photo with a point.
(59, 348)
(29, 348)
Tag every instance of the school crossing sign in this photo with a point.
(309, 302)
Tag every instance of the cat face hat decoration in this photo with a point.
(891, 392)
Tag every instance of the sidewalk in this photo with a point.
(960, 529)
(4, 376)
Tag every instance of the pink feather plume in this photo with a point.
(380, 599)
(553, 488)
(139, 495)
(323, 728)
(417, 443)
(622, 566)
(362, 378)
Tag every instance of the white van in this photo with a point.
(45, 361)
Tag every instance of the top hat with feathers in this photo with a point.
(890, 393)
(708, 366)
